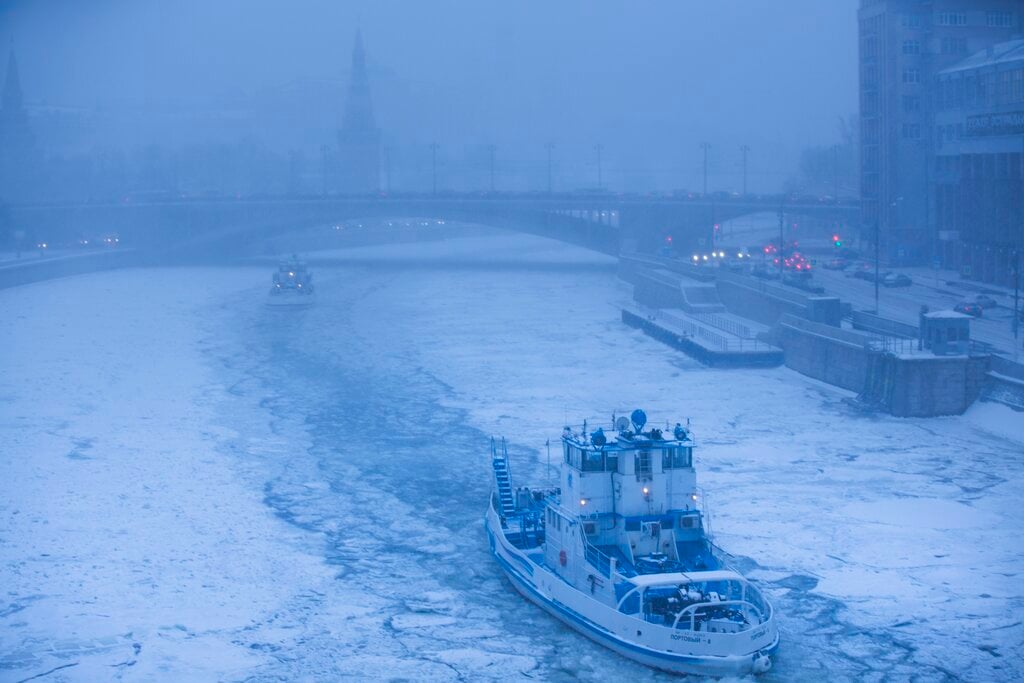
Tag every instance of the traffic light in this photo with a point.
(837, 241)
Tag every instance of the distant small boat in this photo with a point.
(619, 553)
(292, 285)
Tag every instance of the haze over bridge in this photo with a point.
(605, 222)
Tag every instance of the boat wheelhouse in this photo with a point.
(620, 552)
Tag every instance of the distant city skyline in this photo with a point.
(648, 82)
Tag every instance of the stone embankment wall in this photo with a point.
(936, 385)
(32, 269)
(905, 386)
(824, 352)
(753, 303)
(1005, 383)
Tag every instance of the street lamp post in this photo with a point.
(549, 147)
(1016, 296)
(782, 237)
(433, 168)
(877, 235)
(744, 149)
(491, 149)
(600, 182)
(705, 146)
(835, 173)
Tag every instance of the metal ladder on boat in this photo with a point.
(502, 478)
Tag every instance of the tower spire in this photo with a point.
(359, 109)
(17, 144)
(12, 84)
(359, 53)
(359, 139)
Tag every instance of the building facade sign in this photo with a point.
(1008, 123)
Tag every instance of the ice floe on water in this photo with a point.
(197, 488)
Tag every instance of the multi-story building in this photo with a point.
(978, 183)
(904, 44)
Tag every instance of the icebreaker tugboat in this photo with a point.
(619, 553)
(292, 284)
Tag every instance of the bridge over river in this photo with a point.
(605, 222)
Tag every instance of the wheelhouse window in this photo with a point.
(576, 456)
(643, 462)
(592, 461)
(676, 458)
(587, 460)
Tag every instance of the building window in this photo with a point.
(911, 131)
(951, 19)
(911, 75)
(1005, 92)
(911, 20)
(999, 19)
(870, 75)
(870, 156)
(871, 103)
(953, 46)
(991, 84)
(911, 103)
(870, 131)
(970, 90)
(911, 47)
(869, 46)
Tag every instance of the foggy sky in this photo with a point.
(648, 80)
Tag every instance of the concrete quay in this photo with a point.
(879, 359)
(701, 340)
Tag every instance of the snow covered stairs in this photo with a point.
(502, 478)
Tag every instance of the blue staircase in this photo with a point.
(502, 478)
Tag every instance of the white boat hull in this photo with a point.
(674, 650)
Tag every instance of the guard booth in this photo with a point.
(946, 333)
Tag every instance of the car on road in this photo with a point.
(896, 280)
(736, 261)
(985, 301)
(765, 273)
(969, 308)
(867, 272)
(802, 279)
(838, 263)
(804, 283)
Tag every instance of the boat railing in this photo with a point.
(762, 606)
(691, 613)
(594, 421)
(597, 558)
(502, 453)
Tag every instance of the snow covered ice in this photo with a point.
(194, 487)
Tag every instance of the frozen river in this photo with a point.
(194, 487)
